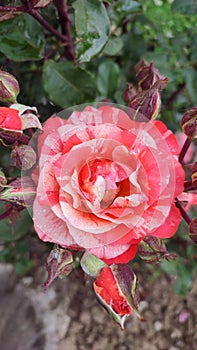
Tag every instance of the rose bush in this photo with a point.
(105, 181)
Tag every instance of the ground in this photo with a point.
(68, 316)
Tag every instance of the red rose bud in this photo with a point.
(29, 116)
(148, 75)
(91, 264)
(129, 93)
(9, 87)
(59, 264)
(189, 123)
(153, 249)
(193, 230)
(10, 119)
(117, 289)
(3, 180)
(23, 156)
(21, 192)
(147, 103)
(194, 175)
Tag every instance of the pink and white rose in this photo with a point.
(105, 182)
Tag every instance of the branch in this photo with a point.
(182, 211)
(27, 7)
(184, 149)
(174, 96)
(65, 27)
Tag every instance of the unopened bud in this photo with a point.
(129, 93)
(23, 156)
(147, 75)
(59, 264)
(21, 191)
(189, 123)
(194, 175)
(91, 265)
(193, 230)
(153, 249)
(9, 87)
(3, 180)
(117, 289)
(147, 103)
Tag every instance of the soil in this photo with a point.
(68, 316)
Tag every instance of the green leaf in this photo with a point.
(185, 6)
(114, 46)
(190, 76)
(108, 78)
(92, 27)
(21, 226)
(128, 6)
(66, 85)
(22, 39)
(23, 266)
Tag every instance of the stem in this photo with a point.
(45, 24)
(27, 7)
(174, 96)
(184, 149)
(65, 23)
(5, 214)
(188, 186)
(182, 211)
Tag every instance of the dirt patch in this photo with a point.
(68, 316)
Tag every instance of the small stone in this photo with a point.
(176, 334)
(158, 326)
(143, 305)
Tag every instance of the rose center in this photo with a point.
(102, 179)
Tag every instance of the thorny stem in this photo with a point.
(182, 211)
(65, 22)
(184, 149)
(27, 8)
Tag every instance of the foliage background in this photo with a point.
(88, 53)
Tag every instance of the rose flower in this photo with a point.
(105, 182)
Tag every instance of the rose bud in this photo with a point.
(129, 93)
(59, 264)
(194, 175)
(193, 230)
(152, 249)
(91, 265)
(147, 103)
(148, 75)
(117, 289)
(189, 123)
(21, 191)
(10, 119)
(23, 156)
(9, 87)
(29, 116)
(3, 180)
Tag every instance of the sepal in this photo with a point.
(153, 249)
(91, 265)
